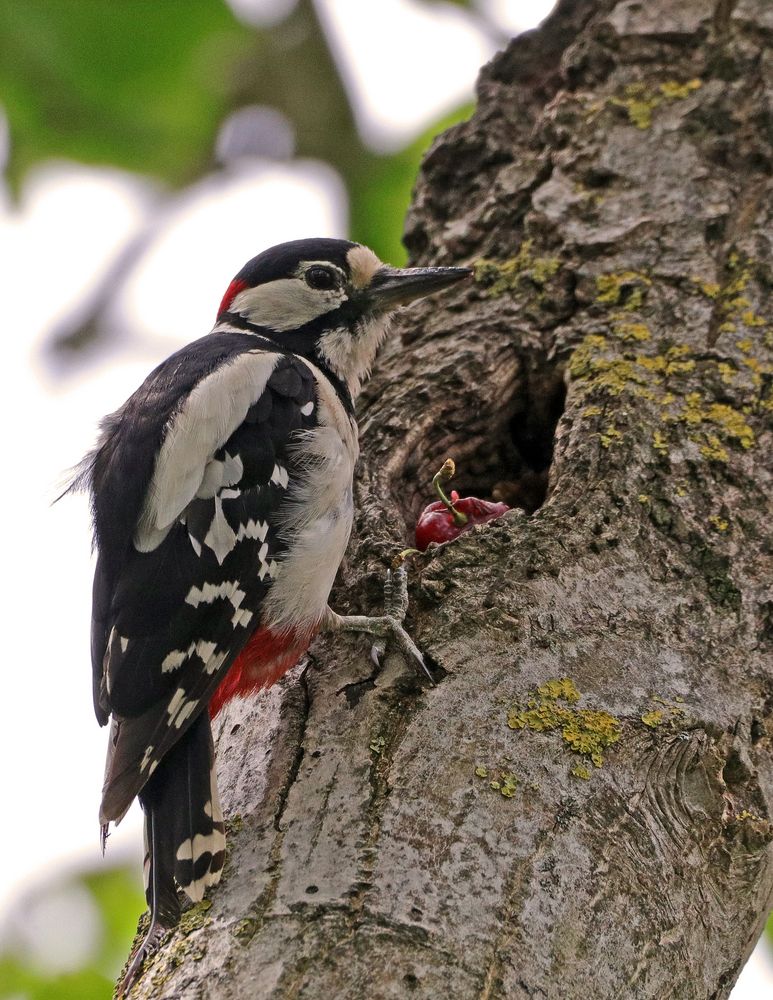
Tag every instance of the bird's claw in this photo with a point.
(409, 649)
(377, 650)
(387, 626)
(394, 630)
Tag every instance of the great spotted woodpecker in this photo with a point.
(221, 494)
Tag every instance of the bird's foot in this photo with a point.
(386, 626)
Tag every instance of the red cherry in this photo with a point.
(446, 519)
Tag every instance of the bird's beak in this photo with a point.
(393, 286)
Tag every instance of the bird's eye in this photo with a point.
(322, 278)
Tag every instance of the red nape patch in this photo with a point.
(236, 286)
(266, 657)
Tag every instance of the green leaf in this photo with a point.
(141, 85)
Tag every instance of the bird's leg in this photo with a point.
(386, 626)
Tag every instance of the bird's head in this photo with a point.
(328, 300)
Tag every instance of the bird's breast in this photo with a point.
(316, 517)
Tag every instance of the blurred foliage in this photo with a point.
(145, 86)
(291, 68)
(119, 901)
(140, 85)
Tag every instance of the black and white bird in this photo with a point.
(221, 494)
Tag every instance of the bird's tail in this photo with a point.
(184, 834)
(184, 829)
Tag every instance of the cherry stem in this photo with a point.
(442, 475)
(401, 557)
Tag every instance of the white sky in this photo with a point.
(71, 223)
(387, 110)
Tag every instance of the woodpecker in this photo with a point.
(221, 496)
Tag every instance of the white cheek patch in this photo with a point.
(286, 304)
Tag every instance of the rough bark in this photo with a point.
(394, 840)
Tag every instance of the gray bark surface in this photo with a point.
(388, 839)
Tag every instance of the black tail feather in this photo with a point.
(160, 890)
(162, 900)
(184, 834)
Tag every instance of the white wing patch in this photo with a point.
(174, 660)
(176, 700)
(180, 708)
(270, 568)
(279, 476)
(252, 529)
(210, 414)
(210, 592)
(146, 757)
(221, 537)
(218, 474)
(216, 662)
(241, 618)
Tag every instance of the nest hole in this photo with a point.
(503, 449)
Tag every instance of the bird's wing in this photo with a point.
(178, 595)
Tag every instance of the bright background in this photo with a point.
(227, 127)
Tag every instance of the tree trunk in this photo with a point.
(494, 836)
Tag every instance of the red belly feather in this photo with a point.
(266, 657)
